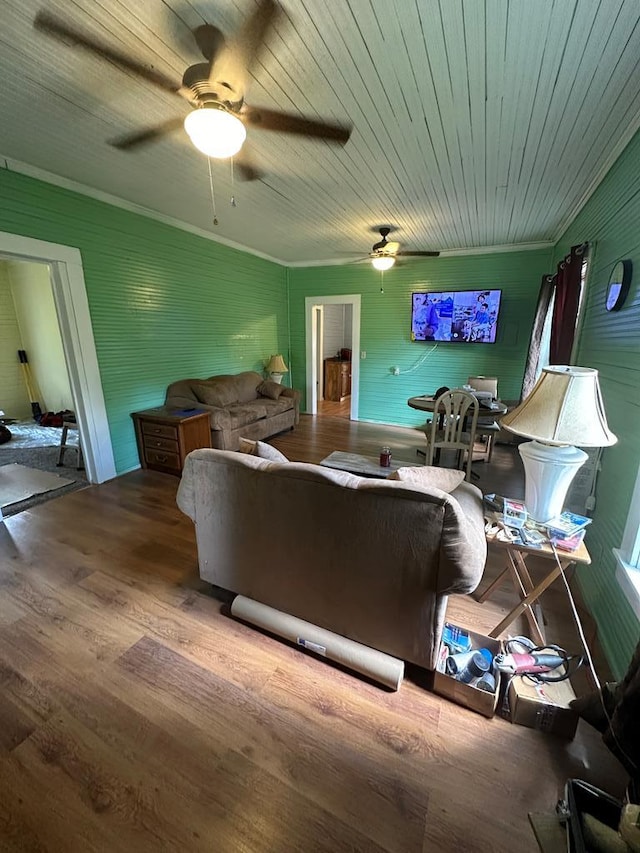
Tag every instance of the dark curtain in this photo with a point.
(565, 308)
(542, 309)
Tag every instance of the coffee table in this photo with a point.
(365, 466)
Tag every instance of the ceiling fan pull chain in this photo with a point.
(233, 188)
(381, 281)
(213, 197)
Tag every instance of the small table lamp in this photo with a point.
(276, 368)
(564, 409)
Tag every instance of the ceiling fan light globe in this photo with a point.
(383, 262)
(215, 132)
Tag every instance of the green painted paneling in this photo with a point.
(165, 304)
(610, 342)
(385, 326)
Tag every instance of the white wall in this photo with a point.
(14, 400)
(40, 333)
(334, 330)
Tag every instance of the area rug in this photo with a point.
(17, 483)
(30, 434)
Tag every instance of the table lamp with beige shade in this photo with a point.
(563, 412)
(276, 368)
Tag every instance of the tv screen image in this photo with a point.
(457, 316)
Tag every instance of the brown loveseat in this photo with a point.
(372, 560)
(243, 405)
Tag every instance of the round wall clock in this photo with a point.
(619, 282)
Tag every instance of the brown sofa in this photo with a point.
(243, 405)
(372, 560)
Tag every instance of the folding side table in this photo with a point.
(528, 591)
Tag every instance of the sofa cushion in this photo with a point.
(445, 479)
(219, 391)
(241, 415)
(262, 450)
(276, 407)
(246, 385)
(270, 389)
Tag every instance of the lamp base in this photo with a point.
(548, 473)
(276, 377)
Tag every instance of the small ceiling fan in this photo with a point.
(215, 89)
(384, 253)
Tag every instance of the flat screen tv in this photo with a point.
(458, 316)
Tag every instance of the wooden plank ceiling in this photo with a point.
(476, 123)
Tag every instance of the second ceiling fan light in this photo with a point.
(383, 262)
(214, 131)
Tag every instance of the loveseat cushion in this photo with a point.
(270, 389)
(219, 391)
(445, 479)
(249, 413)
(262, 450)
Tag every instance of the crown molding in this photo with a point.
(12, 165)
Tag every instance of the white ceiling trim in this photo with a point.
(616, 151)
(65, 183)
(13, 165)
(445, 253)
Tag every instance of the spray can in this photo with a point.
(487, 683)
(456, 663)
(477, 666)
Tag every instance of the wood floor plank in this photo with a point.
(337, 774)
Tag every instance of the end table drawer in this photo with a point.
(151, 442)
(162, 430)
(158, 457)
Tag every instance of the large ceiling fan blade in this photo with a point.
(146, 136)
(288, 123)
(50, 25)
(418, 254)
(233, 64)
(210, 41)
(243, 163)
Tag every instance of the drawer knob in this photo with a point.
(162, 458)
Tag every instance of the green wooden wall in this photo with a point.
(610, 342)
(165, 304)
(385, 326)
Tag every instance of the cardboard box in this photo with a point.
(543, 706)
(464, 694)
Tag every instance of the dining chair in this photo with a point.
(487, 427)
(455, 415)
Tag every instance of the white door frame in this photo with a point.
(319, 325)
(310, 303)
(72, 308)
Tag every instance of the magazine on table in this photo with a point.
(567, 524)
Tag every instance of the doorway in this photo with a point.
(332, 337)
(78, 346)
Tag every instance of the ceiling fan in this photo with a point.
(215, 89)
(384, 253)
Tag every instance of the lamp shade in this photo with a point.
(564, 408)
(276, 365)
(383, 262)
(215, 132)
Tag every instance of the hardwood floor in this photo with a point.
(135, 716)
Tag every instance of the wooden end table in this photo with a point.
(528, 591)
(166, 435)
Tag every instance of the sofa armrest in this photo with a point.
(463, 550)
(293, 392)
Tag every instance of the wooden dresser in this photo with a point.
(165, 436)
(337, 379)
